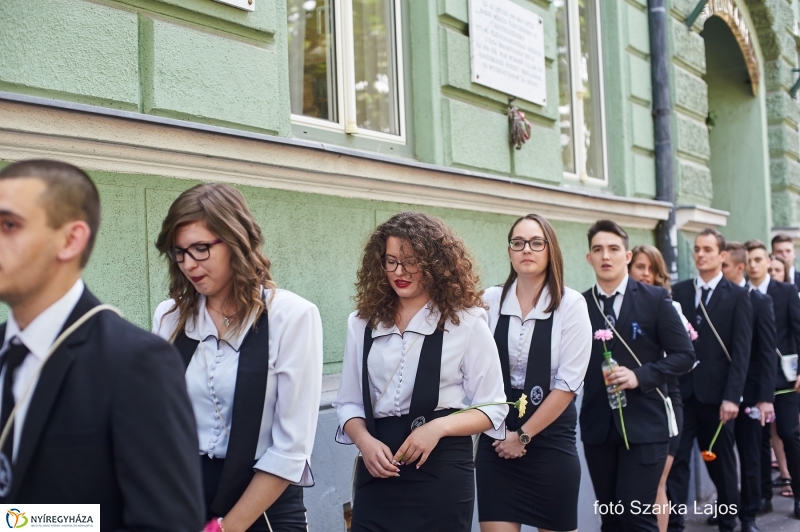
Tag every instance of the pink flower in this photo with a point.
(692, 333)
(603, 334)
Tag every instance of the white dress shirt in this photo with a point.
(619, 290)
(700, 283)
(764, 285)
(38, 336)
(294, 382)
(470, 368)
(570, 344)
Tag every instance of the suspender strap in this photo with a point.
(366, 396)
(425, 396)
(249, 397)
(537, 373)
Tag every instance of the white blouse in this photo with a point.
(470, 371)
(570, 345)
(294, 383)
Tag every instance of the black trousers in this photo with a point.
(629, 477)
(748, 441)
(700, 421)
(787, 409)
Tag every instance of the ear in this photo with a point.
(628, 256)
(589, 258)
(75, 237)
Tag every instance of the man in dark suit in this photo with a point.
(783, 247)
(722, 315)
(644, 320)
(759, 388)
(106, 418)
(786, 304)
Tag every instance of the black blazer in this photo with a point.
(797, 279)
(716, 379)
(110, 422)
(658, 330)
(760, 383)
(786, 304)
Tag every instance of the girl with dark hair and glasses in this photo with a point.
(418, 347)
(253, 359)
(543, 336)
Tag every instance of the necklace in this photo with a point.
(226, 320)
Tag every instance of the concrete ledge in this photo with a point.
(330, 387)
(110, 140)
(695, 218)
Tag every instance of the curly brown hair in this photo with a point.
(224, 211)
(444, 260)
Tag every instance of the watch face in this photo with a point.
(524, 439)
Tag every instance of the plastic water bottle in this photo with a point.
(753, 412)
(616, 398)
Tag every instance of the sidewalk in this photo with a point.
(779, 520)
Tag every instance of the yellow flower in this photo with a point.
(521, 405)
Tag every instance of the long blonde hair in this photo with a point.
(224, 212)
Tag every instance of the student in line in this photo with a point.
(759, 388)
(722, 315)
(253, 360)
(417, 345)
(544, 339)
(626, 454)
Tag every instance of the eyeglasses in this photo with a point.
(518, 244)
(199, 252)
(391, 265)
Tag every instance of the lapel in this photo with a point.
(797, 279)
(684, 295)
(631, 291)
(720, 292)
(47, 389)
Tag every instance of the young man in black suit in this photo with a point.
(644, 320)
(722, 315)
(783, 247)
(759, 388)
(786, 304)
(107, 418)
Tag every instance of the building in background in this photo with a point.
(332, 115)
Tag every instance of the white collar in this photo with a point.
(619, 290)
(742, 283)
(511, 305)
(424, 322)
(40, 334)
(207, 329)
(791, 273)
(712, 284)
(764, 285)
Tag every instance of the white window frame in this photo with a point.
(576, 94)
(344, 55)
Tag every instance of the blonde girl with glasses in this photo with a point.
(253, 359)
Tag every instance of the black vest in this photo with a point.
(248, 409)
(537, 374)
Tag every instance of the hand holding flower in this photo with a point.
(419, 444)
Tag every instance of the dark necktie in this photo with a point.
(608, 308)
(703, 298)
(13, 358)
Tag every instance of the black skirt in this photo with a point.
(439, 496)
(287, 513)
(539, 489)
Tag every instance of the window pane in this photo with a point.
(564, 87)
(590, 78)
(312, 70)
(375, 66)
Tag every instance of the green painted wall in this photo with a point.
(313, 241)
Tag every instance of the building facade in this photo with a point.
(333, 115)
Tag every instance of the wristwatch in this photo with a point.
(524, 438)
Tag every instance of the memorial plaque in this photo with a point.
(507, 49)
(247, 5)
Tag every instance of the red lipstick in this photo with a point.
(402, 283)
(197, 279)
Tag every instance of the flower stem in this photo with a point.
(622, 421)
(787, 390)
(714, 439)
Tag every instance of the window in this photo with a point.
(345, 66)
(580, 89)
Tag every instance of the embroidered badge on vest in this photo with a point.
(418, 422)
(537, 394)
